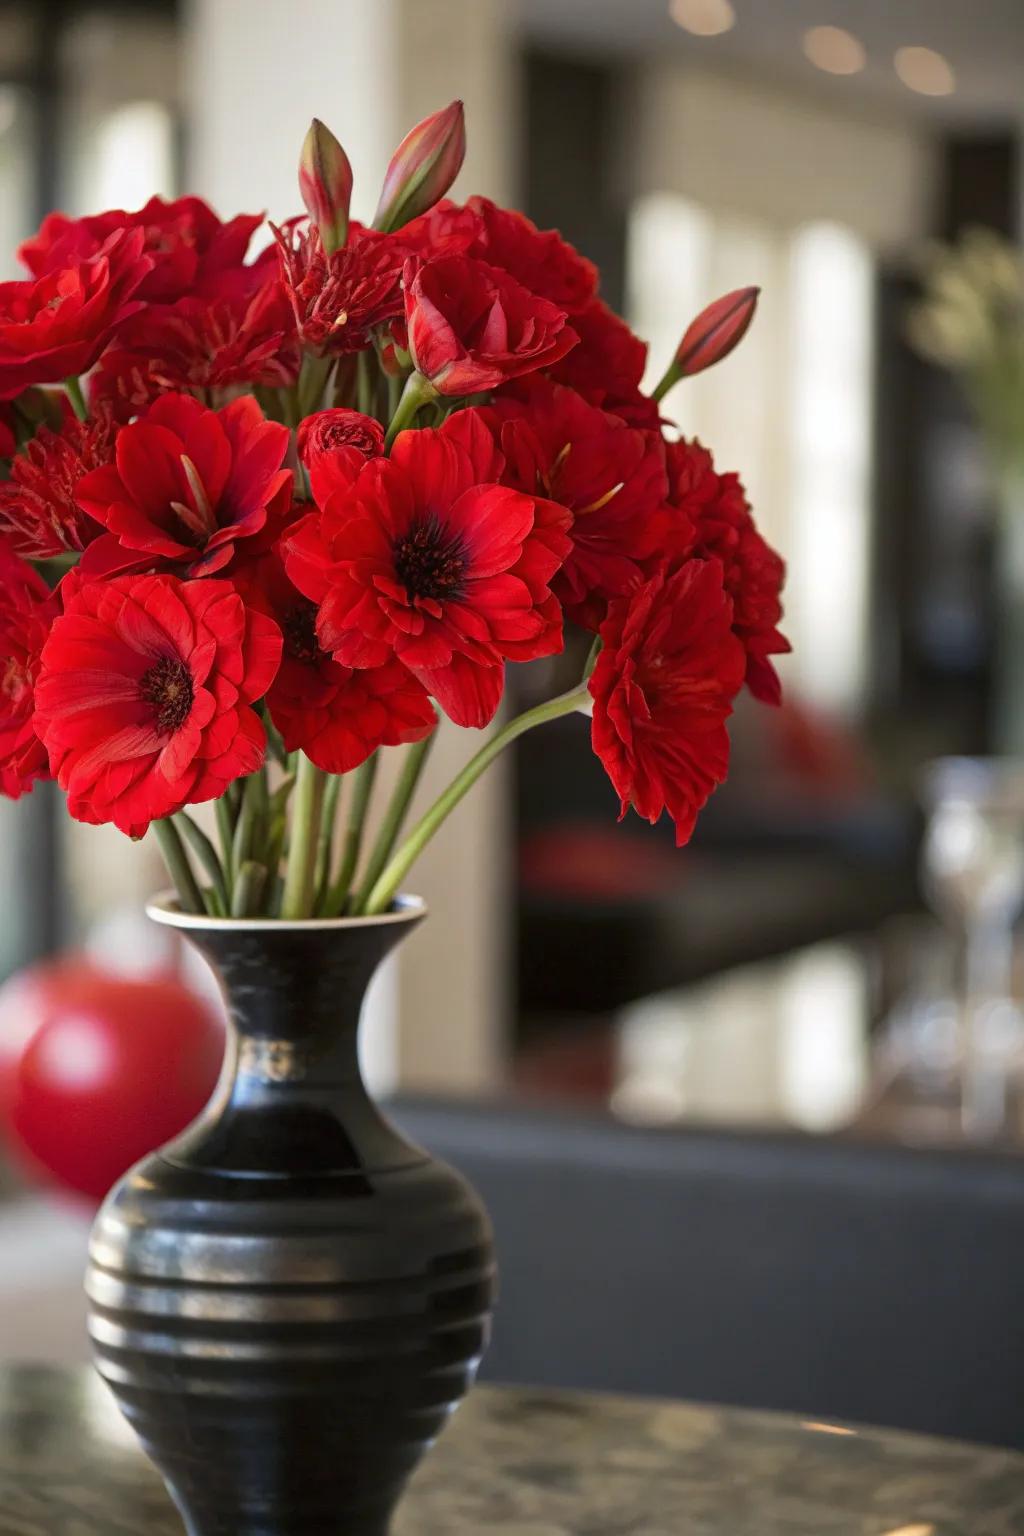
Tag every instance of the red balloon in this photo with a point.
(98, 1070)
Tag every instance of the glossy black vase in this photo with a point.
(289, 1301)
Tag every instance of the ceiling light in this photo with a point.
(924, 1529)
(704, 18)
(834, 50)
(925, 71)
(817, 1428)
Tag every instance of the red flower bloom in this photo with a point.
(611, 477)
(663, 689)
(58, 325)
(336, 715)
(143, 696)
(27, 611)
(187, 484)
(339, 299)
(333, 446)
(427, 558)
(539, 259)
(719, 526)
(607, 366)
(471, 327)
(200, 344)
(191, 249)
(39, 512)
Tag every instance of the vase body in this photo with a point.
(289, 1300)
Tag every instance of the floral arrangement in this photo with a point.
(264, 517)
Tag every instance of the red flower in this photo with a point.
(143, 696)
(663, 689)
(39, 512)
(471, 326)
(200, 344)
(27, 611)
(427, 558)
(58, 325)
(607, 366)
(187, 484)
(539, 259)
(336, 715)
(333, 446)
(611, 477)
(191, 250)
(719, 526)
(339, 299)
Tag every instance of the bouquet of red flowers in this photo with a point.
(280, 513)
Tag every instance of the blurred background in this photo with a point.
(803, 1029)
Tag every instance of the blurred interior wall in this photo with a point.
(371, 69)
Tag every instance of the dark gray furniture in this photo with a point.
(821, 1276)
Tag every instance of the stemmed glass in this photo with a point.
(973, 877)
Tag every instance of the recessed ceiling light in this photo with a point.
(924, 1529)
(835, 50)
(704, 18)
(924, 70)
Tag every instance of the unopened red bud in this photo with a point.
(716, 331)
(422, 168)
(325, 181)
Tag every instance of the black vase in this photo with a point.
(290, 1300)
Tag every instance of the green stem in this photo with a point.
(226, 833)
(673, 373)
(314, 377)
(297, 897)
(362, 789)
(325, 846)
(383, 892)
(73, 385)
(205, 852)
(416, 393)
(252, 878)
(189, 895)
(394, 819)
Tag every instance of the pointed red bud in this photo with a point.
(422, 168)
(325, 181)
(715, 332)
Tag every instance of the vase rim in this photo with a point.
(164, 909)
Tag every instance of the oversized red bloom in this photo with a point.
(144, 692)
(607, 366)
(717, 524)
(663, 687)
(471, 326)
(27, 610)
(539, 259)
(339, 299)
(336, 715)
(57, 325)
(611, 476)
(191, 249)
(333, 445)
(200, 344)
(186, 486)
(427, 558)
(39, 512)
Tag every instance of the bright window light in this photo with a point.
(134, 156)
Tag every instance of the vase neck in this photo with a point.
(291, 1094)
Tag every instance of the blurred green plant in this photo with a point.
(971, 321)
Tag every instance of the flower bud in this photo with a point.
(422, 168)
(715, 332)
(325, 181)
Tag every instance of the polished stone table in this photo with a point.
(520, 1463)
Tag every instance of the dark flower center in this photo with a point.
(299, 629)
(430, 562)
(167, 686)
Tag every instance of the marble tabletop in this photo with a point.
(528, 1463)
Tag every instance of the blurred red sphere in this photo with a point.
(97, 1070)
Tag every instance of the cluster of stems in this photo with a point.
(298, 850)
